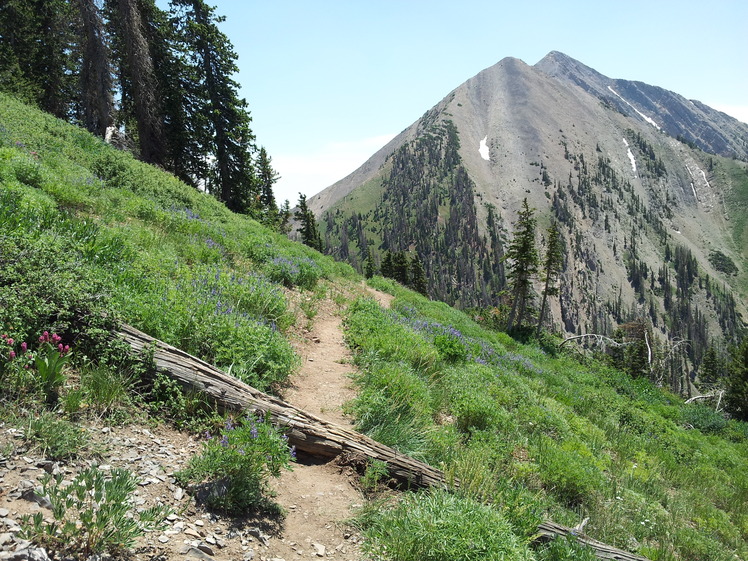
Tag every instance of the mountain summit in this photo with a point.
(646, 186)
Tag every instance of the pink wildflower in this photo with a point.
(9, 341)
(24, 347)
(12, 355)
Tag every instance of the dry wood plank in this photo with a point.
(314, 435)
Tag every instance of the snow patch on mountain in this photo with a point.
(483, 149)
(630, 155)
(642, 115)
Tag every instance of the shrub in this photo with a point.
(703, 418)
(57, 438)
(294, 271)
(230, 474)
(437, 525)
(93, 514)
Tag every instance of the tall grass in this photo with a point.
(546, 436)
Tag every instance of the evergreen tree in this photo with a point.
(308, 225)
(522, 256)
(552, 264)
(97, 101)
(267, 177)
(37, 42)
(284, 218)
(138, 83)
(418, 280)
(225, 135)
(369, 267)
(388, 270)
(400, 268)
(736, 397)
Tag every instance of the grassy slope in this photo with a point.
(84, 227)
(547, 436)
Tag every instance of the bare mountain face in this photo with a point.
(648, 188)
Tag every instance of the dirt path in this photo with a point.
(317, 497)
(320, 497)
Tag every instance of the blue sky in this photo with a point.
(329, 82)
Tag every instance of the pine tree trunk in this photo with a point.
(143, 80)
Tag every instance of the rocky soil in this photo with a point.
(318, 498)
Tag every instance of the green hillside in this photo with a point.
(90, 237)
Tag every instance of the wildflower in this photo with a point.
(229, 424)
(293, 452)
(24, 347)
(12, 355)
(9, 341)
(253, 430)
(224, 441)
(208, 436)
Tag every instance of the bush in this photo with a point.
(230, 474)
(437, 525)
(93, 514)
(703, 418)
(57, 438)
(294, 271)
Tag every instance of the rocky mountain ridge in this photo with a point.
(630, 172)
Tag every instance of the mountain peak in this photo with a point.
(557, 64)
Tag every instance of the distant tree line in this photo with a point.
(159, 82)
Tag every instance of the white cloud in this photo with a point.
(312, 171)
(740, 112)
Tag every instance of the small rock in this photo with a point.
(192, 532)
(28, 554)
(249, 555)
(211, 540)
(178, 494)
(163, 539)
(205, 548)
(194, 552)
(6, 538)
(172, 517)
(34, 497)
(199, 523)
(319, 549)
(4, 512)
(257, 533)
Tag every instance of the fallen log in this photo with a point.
(307, 432)
(548, 531)
(314, 435)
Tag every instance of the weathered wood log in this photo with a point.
(550, 530)
(314, 435)
(307, 432)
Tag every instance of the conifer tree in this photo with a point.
(225, 133)
(369, 268)
(522, 257)
(387, 266)
(267, 177)
(37, 41)
(137, 76)
(418, 280)
(96, 85)
(736, 396)
(308, 225)
(552, 264)
(400, 268)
